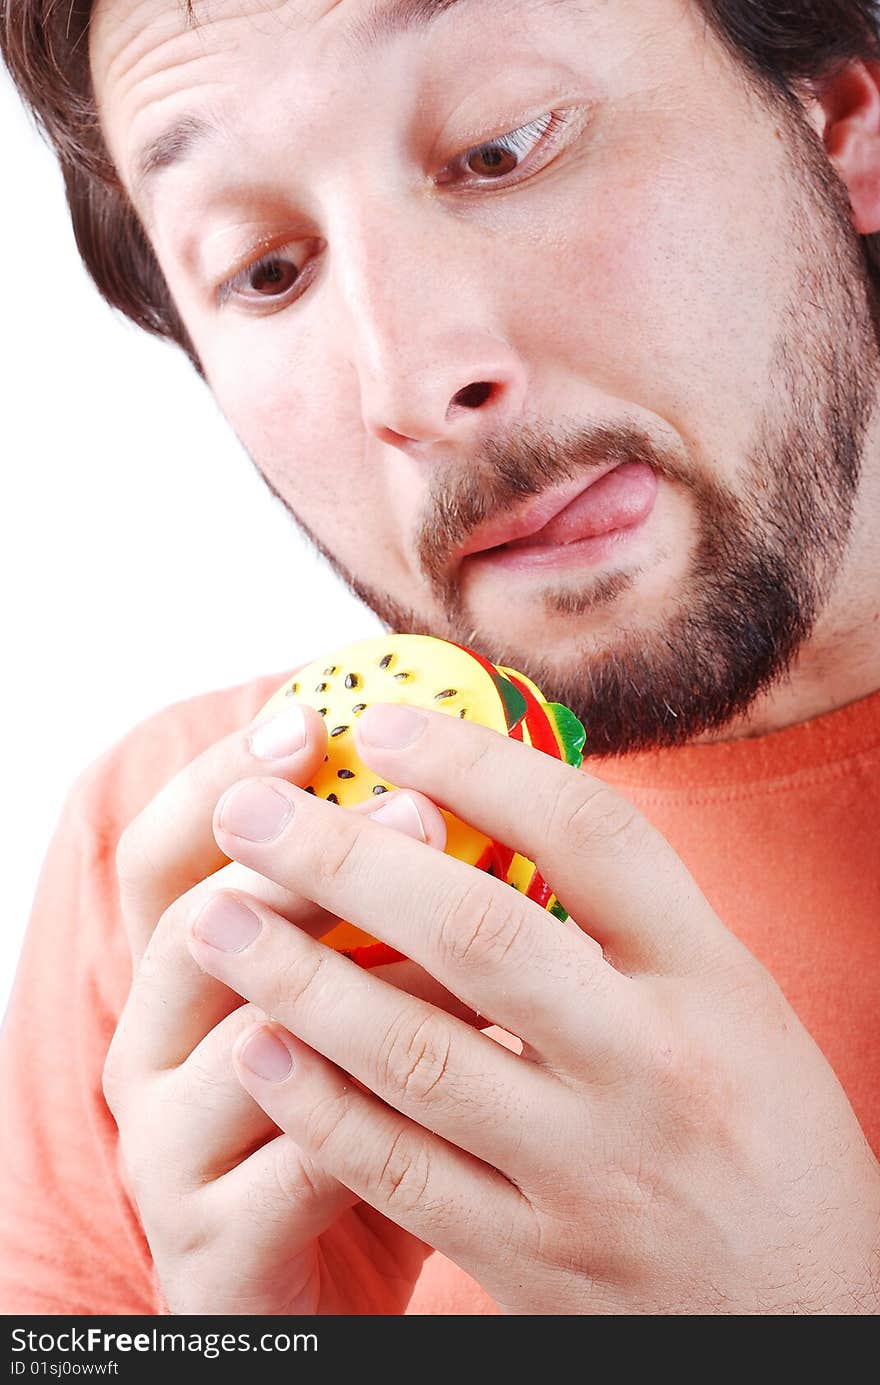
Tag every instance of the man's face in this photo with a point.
(435, 275)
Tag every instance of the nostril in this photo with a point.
(475, 395)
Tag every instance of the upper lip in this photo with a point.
(531, 517)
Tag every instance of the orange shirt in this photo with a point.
(781, 833)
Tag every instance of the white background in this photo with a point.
(142, 560)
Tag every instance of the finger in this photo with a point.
(209, 1122)
(218, 1124)
(439, 1193)
(228, 1152)
(410, 977)
(404, 974)
(425, 824)
(502, 954)
(170, 846)
(223, 1125)
(290, 1200)
(226, 1130)
(431, 1067)
(172, 1004)
(614, 872)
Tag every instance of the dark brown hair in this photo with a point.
(785, 46)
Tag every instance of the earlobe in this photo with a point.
(847, 117)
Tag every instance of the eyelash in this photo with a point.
(548, 127)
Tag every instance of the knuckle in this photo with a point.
(296, 1187)
(113, 1079)
(191, 1240)
(203, 772)
(699, 1100)
(471, 757)
(165, 944)
(139, 863)
(692, 1089)
(297, 1180)
(117, 1074)
(323, 1122)
(289, 1181)
(482, 928)
(334, 853)
(142, 1161)
(586, 818)
(414, 1058)
(206, 1081)
(130, 856)
(296, 982)
(403, 1180)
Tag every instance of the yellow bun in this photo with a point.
(427, 672)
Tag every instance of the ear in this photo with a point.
(846, 115)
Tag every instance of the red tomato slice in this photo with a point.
(540, 729)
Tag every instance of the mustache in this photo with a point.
(514, 468)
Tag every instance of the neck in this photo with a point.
(816, 687)
(841, 661)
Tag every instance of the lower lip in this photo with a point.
(593, 527)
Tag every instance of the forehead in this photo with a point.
(129, 34)
(149, 57)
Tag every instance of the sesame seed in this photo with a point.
(338, 730)
(345, 774)
(379, 788)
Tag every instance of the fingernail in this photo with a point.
(267, 1056)
(402, 814)
(392, 726)
(282, 735)
(226, 923)
(254, 811)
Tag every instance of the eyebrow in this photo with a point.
(180, 141)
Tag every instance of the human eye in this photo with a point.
(275, 279)
(510, 157)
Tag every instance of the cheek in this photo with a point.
(297, 414)
(671, 296)
(287, 408)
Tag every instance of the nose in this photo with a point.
(422, 304)
(463, 392)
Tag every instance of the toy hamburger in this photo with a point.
(426, 672)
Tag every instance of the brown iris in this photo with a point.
(273, 276)
(497, 162)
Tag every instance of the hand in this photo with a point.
(238, 1217)
(670, 1141)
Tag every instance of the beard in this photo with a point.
(766, 557)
